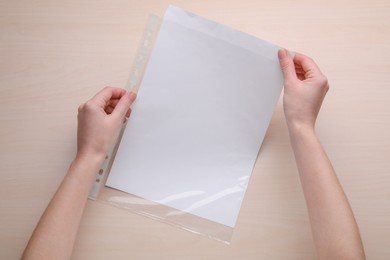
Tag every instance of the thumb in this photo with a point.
(124, 104)
(287, 64)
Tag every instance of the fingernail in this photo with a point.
(132, 96)
(282, 53)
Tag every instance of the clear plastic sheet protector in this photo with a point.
(205, 100)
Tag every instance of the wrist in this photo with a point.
(83, 170)
(299, 128)
(91, 160)
(89, 155)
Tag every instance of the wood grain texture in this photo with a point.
(57, 54)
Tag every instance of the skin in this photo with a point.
(335, 232)
(98, 123)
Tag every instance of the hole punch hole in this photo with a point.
(100, 171)
(97, 180)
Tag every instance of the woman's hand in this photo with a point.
(305, 88)
(99, 120)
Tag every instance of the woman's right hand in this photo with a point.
(305, 88)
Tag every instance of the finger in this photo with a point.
(103, 96)
(307, 64)
(301, 76)
(299, 70)
(287, 64)
(111, 105)
(109, 110)
(112, 102)
(124, 104)
(128, 113)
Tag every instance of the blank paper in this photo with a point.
(204, 104)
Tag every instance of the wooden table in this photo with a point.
(56, 54)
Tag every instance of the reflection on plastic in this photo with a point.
(179, 196)
(212, 198)
(166, 215)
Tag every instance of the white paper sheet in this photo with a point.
(201, 114)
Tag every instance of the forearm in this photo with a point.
(334, 228)
(56, 231)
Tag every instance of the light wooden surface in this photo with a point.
(56, 54)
